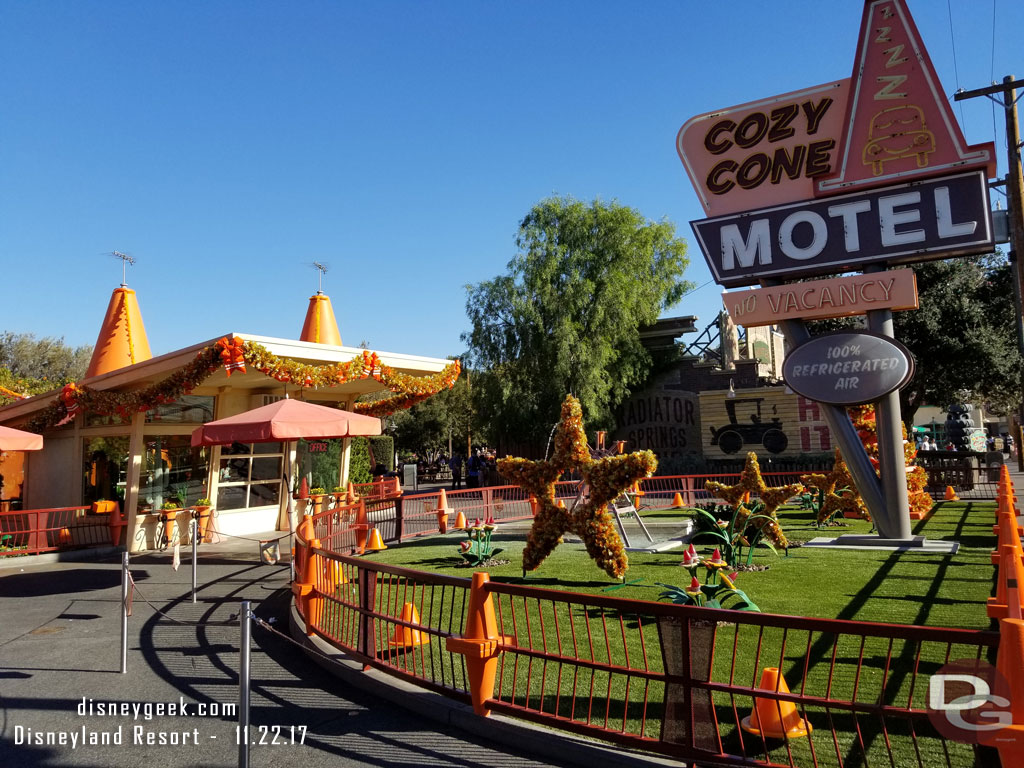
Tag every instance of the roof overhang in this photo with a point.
(156, 369)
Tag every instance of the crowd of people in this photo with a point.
(478, 471)
(1007, 445)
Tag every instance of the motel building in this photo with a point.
(145, 458)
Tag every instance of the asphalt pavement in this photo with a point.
(61, 688)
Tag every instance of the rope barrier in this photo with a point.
(309, 649)
(135, 587)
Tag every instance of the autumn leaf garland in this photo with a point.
(408, 390)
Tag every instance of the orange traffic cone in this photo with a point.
(398, 486)
(561, 504)
(460, 521)
(442, 512)
(677, 501)
(771, 718)
(376, 543)
(407, 636)
(533, 506)
(951, 494)
(333, 574)
(351, 497)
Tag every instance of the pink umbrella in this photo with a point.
(285, 420)
(19, 440)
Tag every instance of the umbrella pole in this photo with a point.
(288, 514)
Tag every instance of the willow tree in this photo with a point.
(566, 317)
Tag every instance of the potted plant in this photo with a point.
(202, 516)
(169, 511)
(316, 495)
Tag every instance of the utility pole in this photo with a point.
(1015, 208)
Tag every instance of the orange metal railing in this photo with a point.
(673, 679)
(34, 531)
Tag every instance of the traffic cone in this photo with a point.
(772, 718)
(951, 494)
(333, 574)
(376, 543)
(460, 521)
(407, 636)
(442, 512)
(303, 489)
(677, 501)
(533, 506)
(1009, 740)
(398, 486)
(351, 497)
(1010, 567)
(561, 504)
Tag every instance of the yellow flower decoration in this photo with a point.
(752, 482)
(606, 478)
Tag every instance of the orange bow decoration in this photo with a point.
(68, 397)
(232, 354)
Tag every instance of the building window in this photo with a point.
(249, 475)
(172, 470)
(105, 470)
(187, 409)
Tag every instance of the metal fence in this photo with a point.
(656, 676)
(34, 531)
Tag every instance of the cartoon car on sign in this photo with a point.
(895, 133)
(733, 436)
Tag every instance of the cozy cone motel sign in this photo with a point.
(872, 170)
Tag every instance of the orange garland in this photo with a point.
(235, 354)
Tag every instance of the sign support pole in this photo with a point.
(1015, 207)
(888, 425)
(846, 437)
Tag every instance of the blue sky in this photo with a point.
(228, 145)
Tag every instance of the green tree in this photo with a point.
(427, 427)
(27, 357)
(963, 336)
(566, 317)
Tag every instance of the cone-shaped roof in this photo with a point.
(320, 326)
(122, 340)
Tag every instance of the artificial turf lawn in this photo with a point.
(895, 587)
(902, 588)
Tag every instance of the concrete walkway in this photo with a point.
(59, 653)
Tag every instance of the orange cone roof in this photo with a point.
(320, 326)
(122, 340)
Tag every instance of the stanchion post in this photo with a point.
(125, 576)
(243, 686)
(195, 554)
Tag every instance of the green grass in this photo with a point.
(895, 587)
(901, 588)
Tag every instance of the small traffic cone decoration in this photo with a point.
(303, 489)
(951, 494)
(376, 543)
(350, 495)
(398, 486)
(677, 501)
(772, 718)
(561, 504)
(407, 636)
(334, 575)
(442, 512)
(460, 521)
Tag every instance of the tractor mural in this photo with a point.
(740, 435)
